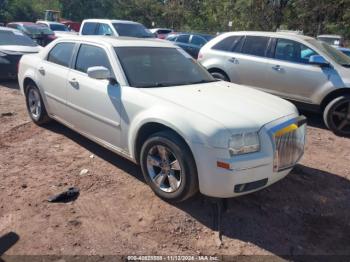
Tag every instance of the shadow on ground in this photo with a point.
(305, 213)
(11, 84)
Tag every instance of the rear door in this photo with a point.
(52, 75)
(290, 74)
(94, 105)
(247, 62)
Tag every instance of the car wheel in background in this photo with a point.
(35, 106)
(337, 115)
(220, 76)
(168, 167)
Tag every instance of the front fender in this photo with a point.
(192, 127)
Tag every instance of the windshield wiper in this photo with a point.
(346, 65)
(203, 81)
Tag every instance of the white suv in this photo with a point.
(114, 28)
(311, 73)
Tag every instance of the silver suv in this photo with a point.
(311, 73)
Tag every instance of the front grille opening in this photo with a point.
(250, 186)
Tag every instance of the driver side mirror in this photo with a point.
(101, 72)
(318, 60)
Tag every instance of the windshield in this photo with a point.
(159, 66)
(58, 27)
(38, 30)
(331, 52)
(15, 38)
(132, 30)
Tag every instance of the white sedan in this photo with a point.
(148, 101)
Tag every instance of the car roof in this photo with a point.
(2, 28)
(269, 34)
(49, 22)
(118, 41)
(330, 36)
(25, 23)
(109, 21)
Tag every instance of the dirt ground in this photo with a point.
(117, 213)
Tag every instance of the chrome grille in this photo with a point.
(289, 147)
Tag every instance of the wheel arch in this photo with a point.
(332, 95)
(218, 70)
(149, 128)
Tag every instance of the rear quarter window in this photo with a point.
(61, 54)
(230, 44)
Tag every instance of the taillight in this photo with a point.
(200, 56)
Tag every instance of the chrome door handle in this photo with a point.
(277, 68)
(233, 60)
(74, 83)
(41, 71)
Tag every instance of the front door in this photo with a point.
(94, 104)
(291, 76)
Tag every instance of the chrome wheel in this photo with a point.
(164, 168)
(340, 117)
(34, 103)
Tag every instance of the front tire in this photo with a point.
(220, 76)
(337, 115)
(168, 167)
(35, 106)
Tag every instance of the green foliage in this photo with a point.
(311, 16)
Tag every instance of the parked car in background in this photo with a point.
(334, 40)
(161, 33)
(14, 44)
(59, 29)
(114, 28)
(190, 42)
(309, 72)
(344, 50)
(40, 34)
(150, 102)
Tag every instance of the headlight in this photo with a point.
(244, 143)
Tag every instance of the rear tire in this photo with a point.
(220, 76)
(168, 167)
(35, 105)
(337, 115)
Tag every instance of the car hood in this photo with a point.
(20, 49)
(236, 107)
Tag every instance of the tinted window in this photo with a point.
(90, 56)
(37, 30)
(198, 41)
(15, 38)
(104, 29)
(158, 67)
(229, 44)
(183, 39)
(164, 31)
(89, 28)
(132, 30)
(292, 51)
(58, 27)
(61, 54)
(171, 38)
(255, 45)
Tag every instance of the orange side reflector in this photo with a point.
(223, 165)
